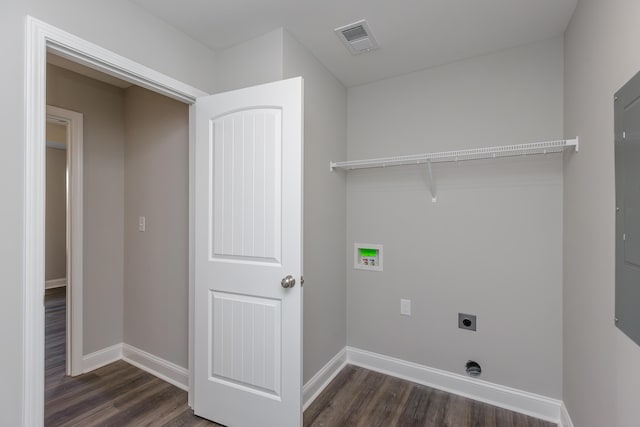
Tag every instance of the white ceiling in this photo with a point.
(413, 34)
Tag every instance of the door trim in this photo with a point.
(41, 37)
(73, 121)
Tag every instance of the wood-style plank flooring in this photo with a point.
(122, 395)
(359, 397)
(118, 394)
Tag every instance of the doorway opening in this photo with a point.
(274, 134)
(43, 38)
(135, 279)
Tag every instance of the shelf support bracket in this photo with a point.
(432, 185)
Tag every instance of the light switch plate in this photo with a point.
(405, 307)
(142, 223)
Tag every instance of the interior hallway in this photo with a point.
(118, 394)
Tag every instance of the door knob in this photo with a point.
(288, 282)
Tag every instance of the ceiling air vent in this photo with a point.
(357, 37)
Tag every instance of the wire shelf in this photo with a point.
(533, 148)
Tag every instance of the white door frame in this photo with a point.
(74, 241)
(41, 37)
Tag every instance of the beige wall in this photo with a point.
(136, 163)
(102, 107)
(490, 246)
(56, 133)
(156, 286)
(601, 369)
(325, 134)
(56, 211)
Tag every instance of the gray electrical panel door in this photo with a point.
(627, 166)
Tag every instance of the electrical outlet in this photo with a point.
(467, 321)
(405, 307)
(142, 223)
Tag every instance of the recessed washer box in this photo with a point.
(367, 256)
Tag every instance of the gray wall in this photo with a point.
(490, 246)
(601, 370)
(325, 133)
(119, 26)
(102, 107)
(56, 215)
(251, 63)
(156, 277)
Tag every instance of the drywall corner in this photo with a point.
(601, 374)
(156, 264)
(325, 133)
(256, 61)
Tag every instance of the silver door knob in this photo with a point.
(288, 282)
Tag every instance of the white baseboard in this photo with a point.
(167, 371)
(323, 377)
(565, 418)
(55, 283)
(535, 405)
(101, 358)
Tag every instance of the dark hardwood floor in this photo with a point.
(118, 394)
(122, 395)
(359, 397)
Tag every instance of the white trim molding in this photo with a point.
(55, 283)
(156, 366)
(163, 369)
(74, 124)
(565, 418)
(34, 182)
(101, 358)
(40, 37)
(535, 405)
(322, 378)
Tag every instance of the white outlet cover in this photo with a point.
(405, 307)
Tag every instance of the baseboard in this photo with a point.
(167, 371)
(565, 418)
(323, 377)
(101, 358)
(55, 283)
(535, 405)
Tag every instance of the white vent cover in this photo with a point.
(357, 37)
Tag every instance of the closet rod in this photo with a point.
(460, 155)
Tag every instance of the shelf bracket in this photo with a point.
(432, 185)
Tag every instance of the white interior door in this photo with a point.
(247, 325)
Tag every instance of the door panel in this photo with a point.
(247, 186)
(249, 354)
(247, 327)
